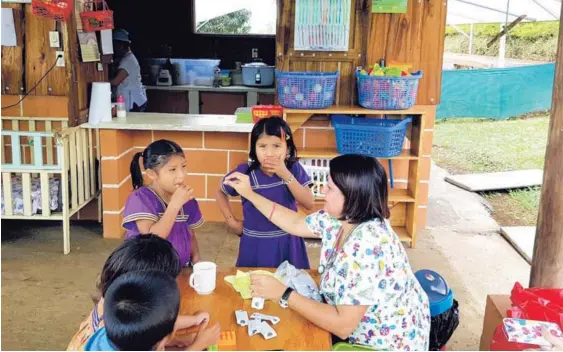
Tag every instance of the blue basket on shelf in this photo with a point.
(378, 138)
(387, 93)
(306, 90)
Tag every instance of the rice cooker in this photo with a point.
(257, 74)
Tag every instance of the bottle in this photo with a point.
(121, 111)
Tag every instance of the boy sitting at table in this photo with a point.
(140, 310)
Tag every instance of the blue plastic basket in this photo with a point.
(387, 93)
(379, 138)
(306, 90)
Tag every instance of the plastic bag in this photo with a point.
(443, 326)
(299, 280)
(541, 304)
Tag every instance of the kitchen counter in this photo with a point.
(144, 121)
(195, 97)
(228, 89)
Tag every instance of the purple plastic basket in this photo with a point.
(387, 93)
(306, 90)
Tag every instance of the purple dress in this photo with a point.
(145, 204)
(263, 244)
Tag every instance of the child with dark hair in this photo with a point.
(371, 295)
(275, 174)
(144, 252)
(140, 311)
(166, 207)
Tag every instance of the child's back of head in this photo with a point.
(140, 309)
(143, 252)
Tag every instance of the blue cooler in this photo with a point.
(444, 310)
(440, 296)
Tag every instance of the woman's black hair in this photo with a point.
(272, 126)
(143, 252)
(154, 156)
(363, 182)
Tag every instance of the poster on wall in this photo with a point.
(322, 25)
(389, 6)
(89, 46)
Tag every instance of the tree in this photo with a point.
(232, 23)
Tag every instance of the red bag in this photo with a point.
(541, 304)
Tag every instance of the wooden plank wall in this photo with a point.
(65, 91)
(416, 37)
(12, 57)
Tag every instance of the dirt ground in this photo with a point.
(45, 294)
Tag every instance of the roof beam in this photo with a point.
(505, 30)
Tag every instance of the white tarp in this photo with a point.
(494, 11)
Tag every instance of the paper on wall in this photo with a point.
(107, 41)
(8, 28)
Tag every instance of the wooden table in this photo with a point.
(294, 332)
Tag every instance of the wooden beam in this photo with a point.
(505, 30)
(547, 264)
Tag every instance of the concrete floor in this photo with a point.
(45, 295)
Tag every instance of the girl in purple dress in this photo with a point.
(276, 175)
(166, 207)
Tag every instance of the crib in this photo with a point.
(49, 175)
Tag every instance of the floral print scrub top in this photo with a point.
(372, 269)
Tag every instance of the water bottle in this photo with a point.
(121, 111)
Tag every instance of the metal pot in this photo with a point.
(258, 74)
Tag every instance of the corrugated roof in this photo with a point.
(495, 11)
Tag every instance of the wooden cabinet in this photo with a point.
(167, 101)
(220, 103)
(266, 99)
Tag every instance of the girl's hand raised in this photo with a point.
(278, 167)
(241, 183)
(181, 196)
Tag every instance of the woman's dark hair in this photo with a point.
(154, 156)
(363, 182)
(140, 309)
(272, 126)
(143, 252)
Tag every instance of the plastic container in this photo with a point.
(318, 170)
(264, 111)
(194, 71)
(244, 115)
(379, 138)
(121, 109)
(306, 90)
(96, 16)
(387, 93)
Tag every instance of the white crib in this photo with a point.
(68, 155)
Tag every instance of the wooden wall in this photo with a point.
(64, 92)
(416, 37)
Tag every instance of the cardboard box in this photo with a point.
(495, 312)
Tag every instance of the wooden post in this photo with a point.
(547, 264)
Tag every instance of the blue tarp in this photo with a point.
(497, 93)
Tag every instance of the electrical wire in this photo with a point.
(35, 86)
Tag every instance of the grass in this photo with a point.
(479, 145)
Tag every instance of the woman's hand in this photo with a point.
(267, 287)
(278, 167)
(241, 183)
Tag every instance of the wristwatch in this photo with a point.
(285, 297)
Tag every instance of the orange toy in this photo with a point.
(227, 342)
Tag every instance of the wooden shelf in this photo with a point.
(395, 196)
(358, 110)
(402, 233)
(323, 153)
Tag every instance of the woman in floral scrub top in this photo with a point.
(371, 295)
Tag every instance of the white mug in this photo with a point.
(202, 280)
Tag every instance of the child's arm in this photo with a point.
(301, 193)
(187, 321)
(163, 226)
(225, 208)
(195, 248)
